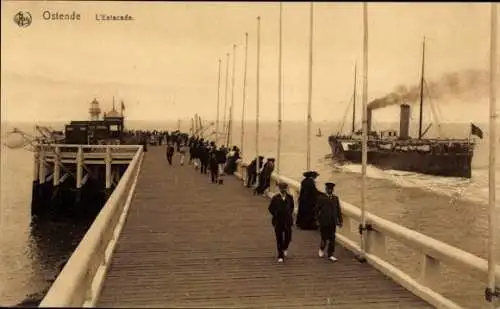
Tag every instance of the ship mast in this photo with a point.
(354, 102)
(225, 96)
(257, 109)
(364, 147)
(230, 122)
(280, 69)
(421, 91)
(244, 96)
(309, 93)
(218, 105)
(492, 291)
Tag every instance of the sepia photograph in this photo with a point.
(280, 154)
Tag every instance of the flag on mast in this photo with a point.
(475, 130)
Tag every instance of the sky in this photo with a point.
(164, 63)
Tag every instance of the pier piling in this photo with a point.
(92, 174)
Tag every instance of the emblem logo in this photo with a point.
(23, 19)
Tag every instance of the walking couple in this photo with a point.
(329, 216)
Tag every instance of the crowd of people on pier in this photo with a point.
(156, 137)
(316, 210)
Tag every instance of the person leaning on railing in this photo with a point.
(251, 171)
(231, 164)
(265, 176)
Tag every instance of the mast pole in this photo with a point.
(218, 106)
(195, 125)
(191, 130)
(280, 65)
(309, 95)
(230, 124)
(198, 124)
(492, 218)
(198, 128)
(202, 128)
(421, 91)
(244, 96)
(354, 101)
(225, 94)
(364, 157)
(257, 115)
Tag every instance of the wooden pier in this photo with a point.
(190, 243)
(168, 237)
(67, 176)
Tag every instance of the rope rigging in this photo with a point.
(347, 110)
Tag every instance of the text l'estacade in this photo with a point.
(74, 16)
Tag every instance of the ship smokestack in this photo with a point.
(369, 120)
(404, 122)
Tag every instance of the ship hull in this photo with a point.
(437, 164)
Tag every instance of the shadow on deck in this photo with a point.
(190, 243)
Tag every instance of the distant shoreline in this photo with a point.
(237, 121)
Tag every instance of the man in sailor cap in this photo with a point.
(281, 209)
(329, 215)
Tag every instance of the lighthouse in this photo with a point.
(94, 110)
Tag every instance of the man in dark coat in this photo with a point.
(306, 216)
(170, 152)
(213, 165)
(206, 157)
(251, 171)
(265, 176)
(144, 143)
(231, 164)
(196, 154)
(191, 149)
(329, 216)
(281, 209)
(203, 155)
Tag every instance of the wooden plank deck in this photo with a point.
(190, 243)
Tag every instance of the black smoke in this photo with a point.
(454, 84)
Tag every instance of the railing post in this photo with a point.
(57, 166)
(273, 185)
(42, 168)
(346, 228)
(79, 167)
(108, 161)
(354, 228)
(88, 289)
(429, 271)
(377, 243)
(242, 172)
(295, 194)
(36, 170)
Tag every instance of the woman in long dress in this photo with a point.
(306, 218)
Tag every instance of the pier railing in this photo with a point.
(90, 154)
(53, 157)
(434, 254)
(79, 282)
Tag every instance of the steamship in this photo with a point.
(392, 150)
